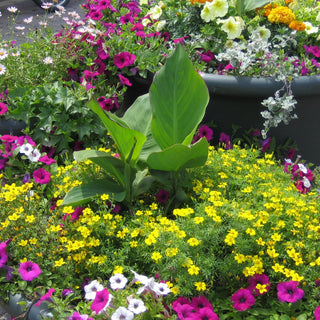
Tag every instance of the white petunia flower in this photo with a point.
(91, 289)
(118, 281)
(155, 12)
(161, 289)
(26, 149)
(233, 26)
(262, 33)
(137, 306)
(34, 156)
(214, 9)
(159, 25)
(122, 314)
(310, 28)
(306, 182)
(302, 168)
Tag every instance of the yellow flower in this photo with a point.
(200, 286)
(59, 263)
(281, 15)
(198, 220)
(193, 242)
(156, 256)
(133, 244)
(171, 252)
(193, 270)
(118, 269)
(23, 243)
(262, 288)
(104, 197)
(30, 218)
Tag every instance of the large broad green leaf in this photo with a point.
(85, 192)
(138, 117)
(179, 156)
(254, 4)
(110, 164)
(178, 97)
(129, 142)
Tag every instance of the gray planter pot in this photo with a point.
(237, 100)
(28, 311)
(11, 126)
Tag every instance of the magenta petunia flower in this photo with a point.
(176, 304)
(289, 291)
(317, 313)
(265, 144)
(45, 297)
(206, 132)
(206, 56)
(41, 176)
(3, 254)
(77, 316)
(95, 14)
(3, 108)
(162, 196)
(124, 59)
(100, 301)
(125, 81)
(207, 314)
(225, 140)
(258, 279)
(242, 300)
(29, 271)
(185, 311)
(200, 302)
(46, 160)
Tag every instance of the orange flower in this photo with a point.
(200, 1)
(267, 8)
(288, 1)
(297, 25)
(281, 15)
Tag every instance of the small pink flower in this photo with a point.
(125, 81)
(3, 108)
(45, 297)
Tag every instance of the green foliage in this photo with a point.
(154, 133)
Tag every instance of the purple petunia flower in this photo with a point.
(77, 316)
(45, 297)
(258, 279)
(242, 300)
(3, 108)
(46, 160)
(317, 313)
(29, 271)
(125, 81)
(124, 59)
(101, 301)
(265, 144)
(162, 196)
(3, 254)
(225, 140)
(41, 176)
(184, 311)
(289, 291)
(200, 302)
(206, 132)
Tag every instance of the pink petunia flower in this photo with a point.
(124, 59)
(205, 131)
(125, 81)
(29, 271)
(3, 108)
(162, 196)
(3, 254)
(200, 302)
(258, 279)
(289, 291)
(77, 316)
(317, 313)
(41, 176)
(225, 140)
(46, 160)
(242, 300)
(45, 297)
(101, 301)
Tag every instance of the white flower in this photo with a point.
(137, 306)
(147, 283)
(161, 289)
(3, 54)
(159, 25)
(118, 281)
(28, 20)
(310, 28)
(122, 314)
(91, 289)
(2, 69)
(34, 156)
(46, 5)
(262, 32)
(0, 14)
(155, 12)
(306, 182)
(20, 28)
(318, 17)
(26, 149)
(15, 54)
(302, 168)
(48, 60)
(12, 9)
(214, 9)
(143, 2)
(233, 26)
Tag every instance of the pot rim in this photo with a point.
(259, 87)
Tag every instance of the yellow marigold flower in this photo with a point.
(67, 209)
(59, 203)
(153, 206)
(23, 243)
(33, 241)
(23, 260)
(193, 270)
(104, 197)
(247, 189)
(240, 258)
(262, 288)
(118, 269)
(200, 286)
(59, 263)
(251, 231)
(135, 233)
(133, 244)
(156, 256)
(193, 242)
(171, 252)
(297, 25)
(198, 220)
(107, 216)
(150, 240)
(5, 223)
(276, 237)
(30, 218)
(14, 217)
(175, 290)
(272, 253)
(281, 15)
(260, 242)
